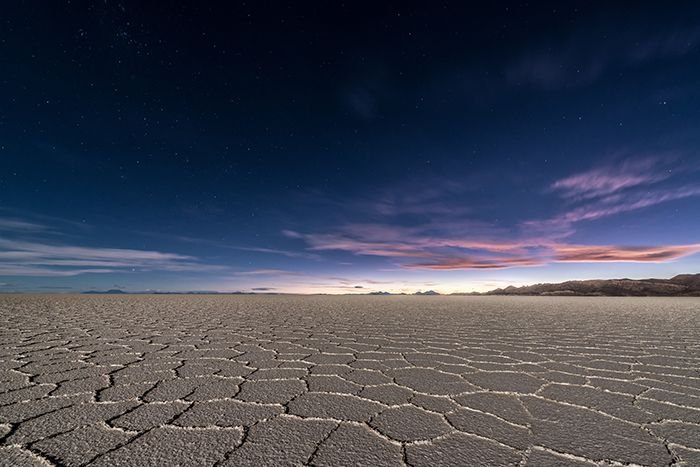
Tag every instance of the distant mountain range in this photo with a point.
(683, 285)
(110, 291)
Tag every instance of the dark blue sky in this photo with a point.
(346, 148)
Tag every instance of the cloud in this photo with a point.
(326, 242)
(404, 244)
(608, 180)
(17, 225)
(349, 281)
(44, 223)
(267, 272)
(276, 251)
(613, 205)
(262, 289)
(19, 270)
(476, 263)
(442, 198)
(439, 241)
(361, 101)
(423, 241)
(619, 204)
(611, 253)
(291, 234)
(21, 258)
(631, 185)
(446, 253)
(367, 85)
(586, 56)
(224, 245)
(568, 253)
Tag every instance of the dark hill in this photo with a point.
(683, 285)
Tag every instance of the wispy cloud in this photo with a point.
(632, 202)
(267, 272)
(19, 225)
(441, 242)
(42, 222)
(613, 253)
(277, 251)
(607, 191)
(478, 255)
(403, 242)
(229, 246)
(439, 200)
(586, 56)
(477, 263)
(346, 281)
(21, 258)
(20, 270)
(604, 181)
(565, 253)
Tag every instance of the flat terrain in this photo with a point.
(321, 380)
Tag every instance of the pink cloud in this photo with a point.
(450, 242)
(403, 242)
(437, 253)
(440, 252)
(613, 253)
(564, 253)
(469, 263)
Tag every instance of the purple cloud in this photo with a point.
(606, 191)
(610, 206)
(608, 180)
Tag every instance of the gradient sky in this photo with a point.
(346, 148)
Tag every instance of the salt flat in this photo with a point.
(348, 380)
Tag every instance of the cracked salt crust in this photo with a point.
(144, 380)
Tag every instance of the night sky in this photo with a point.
(322, 147)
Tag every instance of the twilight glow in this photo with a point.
(495, 150)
